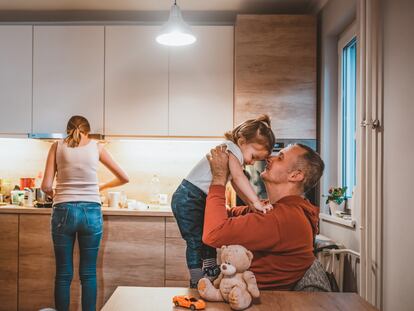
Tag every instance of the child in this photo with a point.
(250, 141)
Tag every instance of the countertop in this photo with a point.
(153, 211)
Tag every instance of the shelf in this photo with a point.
(336, 220)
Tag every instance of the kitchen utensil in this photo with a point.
(40, 196)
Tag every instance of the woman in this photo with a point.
(77, 207)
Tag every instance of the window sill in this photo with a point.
(336, 220)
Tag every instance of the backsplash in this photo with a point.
(170, 160)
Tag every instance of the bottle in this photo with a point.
(155, 190)
(38, 180)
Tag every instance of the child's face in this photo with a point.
(253, 152)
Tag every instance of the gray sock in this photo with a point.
(195, 275)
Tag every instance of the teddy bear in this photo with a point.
(235, 284)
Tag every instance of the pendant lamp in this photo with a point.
(176, 32)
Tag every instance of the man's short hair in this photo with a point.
(312, 166)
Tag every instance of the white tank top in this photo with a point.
(76, 176)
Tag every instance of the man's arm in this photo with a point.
(255, 231)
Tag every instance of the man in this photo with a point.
(282, 239)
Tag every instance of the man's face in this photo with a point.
(279, 167)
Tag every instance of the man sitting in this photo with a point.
(282, 239)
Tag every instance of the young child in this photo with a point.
(250, 141)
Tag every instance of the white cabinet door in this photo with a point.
(15, 79)
(136, 82)
(68, 76)
(201, 84)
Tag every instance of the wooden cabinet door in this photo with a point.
(136, 82)
(68, 76)
(201, 84)
(275, 72)
(9, 227)
(15, 79)
(132, 253)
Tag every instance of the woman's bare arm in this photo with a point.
(50, 171)
(121, 177)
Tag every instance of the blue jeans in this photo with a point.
(188, 204)
(69, 219)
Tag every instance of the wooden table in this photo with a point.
(160, 299)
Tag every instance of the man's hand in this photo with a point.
(219, 164)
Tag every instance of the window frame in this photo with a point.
(349, 34)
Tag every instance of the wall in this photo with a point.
(171, 160)
(333, 20)
(398, 246)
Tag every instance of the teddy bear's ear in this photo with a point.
(223, 247)
(250, 255)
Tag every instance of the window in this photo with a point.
(347, 112)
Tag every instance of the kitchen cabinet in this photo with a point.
(136, 82)
(152, 90)
(68, 76)
(176, 271)
(201, 84)
(8, 261)
(138, 248)
(275, 72)
(15, 79)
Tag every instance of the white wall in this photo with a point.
(170, 159)
(398, 235)
(333, 20)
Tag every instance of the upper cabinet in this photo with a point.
(15, 79)
(158, 91)
(275, 72)
(201, 84)
(136, 82)
(68, 76)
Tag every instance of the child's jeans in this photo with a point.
(188, 204)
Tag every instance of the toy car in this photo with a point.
(189, 302)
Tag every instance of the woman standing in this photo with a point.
(77, 207)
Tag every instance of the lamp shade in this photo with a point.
(176, 32)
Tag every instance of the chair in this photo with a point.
(314, 280)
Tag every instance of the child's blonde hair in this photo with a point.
(254, 131)
(76, 126)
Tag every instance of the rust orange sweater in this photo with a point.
(281, 240)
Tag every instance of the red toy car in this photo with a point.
(189, 302)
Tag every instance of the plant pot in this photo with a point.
(334, 207)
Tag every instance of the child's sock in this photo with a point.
(195, 275)
(210, 268)
(209, 262)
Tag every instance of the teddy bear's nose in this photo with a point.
(223, 267)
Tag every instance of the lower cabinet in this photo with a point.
(9, 226)
(135, 251)
(176, 272)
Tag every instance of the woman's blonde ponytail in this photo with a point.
(76, 126)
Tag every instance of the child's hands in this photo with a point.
(262, 207)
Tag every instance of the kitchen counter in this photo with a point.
(153, 211)
(138, 248)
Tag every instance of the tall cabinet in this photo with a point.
(15, 79)
(68, 76)
(275, 72)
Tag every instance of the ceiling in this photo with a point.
(146, 10)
